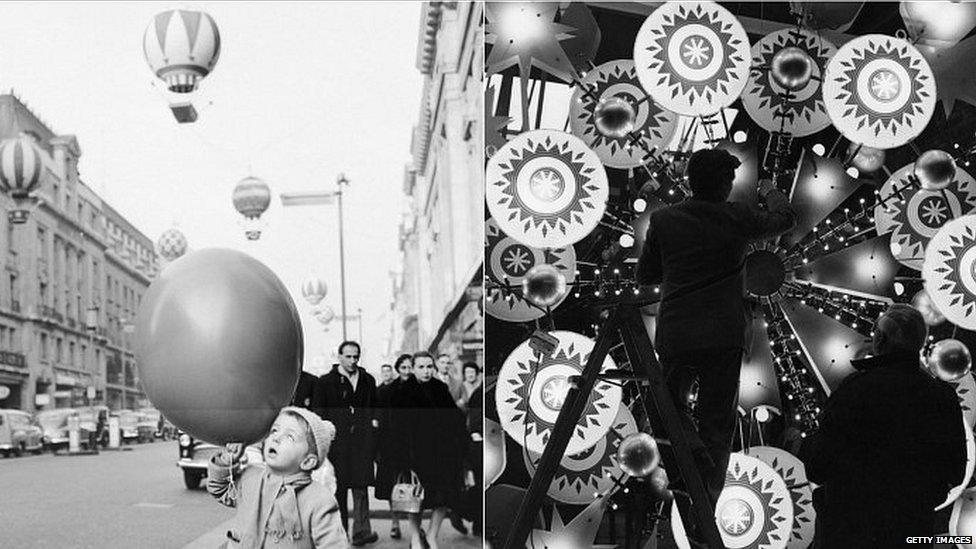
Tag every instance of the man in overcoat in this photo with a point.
(346, 396)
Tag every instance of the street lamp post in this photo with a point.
(312, 198)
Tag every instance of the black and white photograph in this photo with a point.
(241, 297)
(729, 275)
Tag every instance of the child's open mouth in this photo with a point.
(272, 452)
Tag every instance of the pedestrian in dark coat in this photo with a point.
(890, 445)
(697, 250)
(387, 462)
(431, 440)
(303, 391)
(346, 396)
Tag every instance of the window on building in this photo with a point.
(78, 310)
(42, 242)
(81, 211)
(14, 293)
(72, 359)
(42, 294)
(43, 344)
(59, 350)
(98, 360)
(3, 337)
(57, 195)
(14, 344)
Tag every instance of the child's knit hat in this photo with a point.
(323, 432)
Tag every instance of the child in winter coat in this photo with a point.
(278, 504)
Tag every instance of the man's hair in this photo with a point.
(313, 449)
(400, 359)
(349, 342)
(472, 366)
(710, 173)
(423, 354)
(900, 328)
(442, 355)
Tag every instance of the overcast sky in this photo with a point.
(301, 92)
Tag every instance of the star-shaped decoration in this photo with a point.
(517, 259)
(801, 112)
(580, 532)
(525, 33)
(952, 273)
(655, 128)
(884, 86)
(934, 211)
(714, 34)
(583, 189)
(494, 125)
(528, 379)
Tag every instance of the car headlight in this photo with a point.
(185, 440)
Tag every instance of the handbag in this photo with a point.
(407, 494)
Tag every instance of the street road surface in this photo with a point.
(125, 500)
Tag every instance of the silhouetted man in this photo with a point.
(890, 445)
(697, 250)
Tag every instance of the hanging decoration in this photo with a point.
(930, 313)
(579, 532)
(494, 125)
(593, 472)
(951, 82)
(754, 510)
(614, 86)
(314, 290)
(546, 189)
(794, 474)
(251, 198)
(937, 25)
(798, 110)
(508, 261)
(865, 159)
(949, 273)
(181, 47)
(966, 392)
(21, 167)
(879, 91)
(172, 244)
(581, 48)
(949, 360)
(532, 387)
(916, 215)
(692, 57)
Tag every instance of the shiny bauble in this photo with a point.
(219, 345)
(930, 313)
(791, 68)
(544, 285)
(935, 170)
(638, 455)
(659, 484)
(614, 117)
(867, 159)
(950, 360)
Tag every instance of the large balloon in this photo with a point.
(21, 166)
(219, 345)
(181, 47)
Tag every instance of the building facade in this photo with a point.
(438, 304)
(73, 279)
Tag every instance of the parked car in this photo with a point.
(54, 423)
(128, 425)
(19, 433)
(148, 424)
(195, 455)
(88, 419)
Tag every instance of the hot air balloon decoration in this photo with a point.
(21, 166)
(172, 244)
(182, 47)
(314, 290)
(252, 197)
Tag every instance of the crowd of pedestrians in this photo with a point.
(421, 421)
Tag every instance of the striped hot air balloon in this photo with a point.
(252, 197)
(172, 244)
(181, 47)
(314, 290)
(21, 166)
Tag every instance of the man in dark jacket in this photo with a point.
(303, 391)
(346, 396)
(697, 250)
(890, 445)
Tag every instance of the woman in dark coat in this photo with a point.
(386, 448)
(430, 439)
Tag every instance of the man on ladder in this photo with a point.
(696, 250)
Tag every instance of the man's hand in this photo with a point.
(765, 185)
